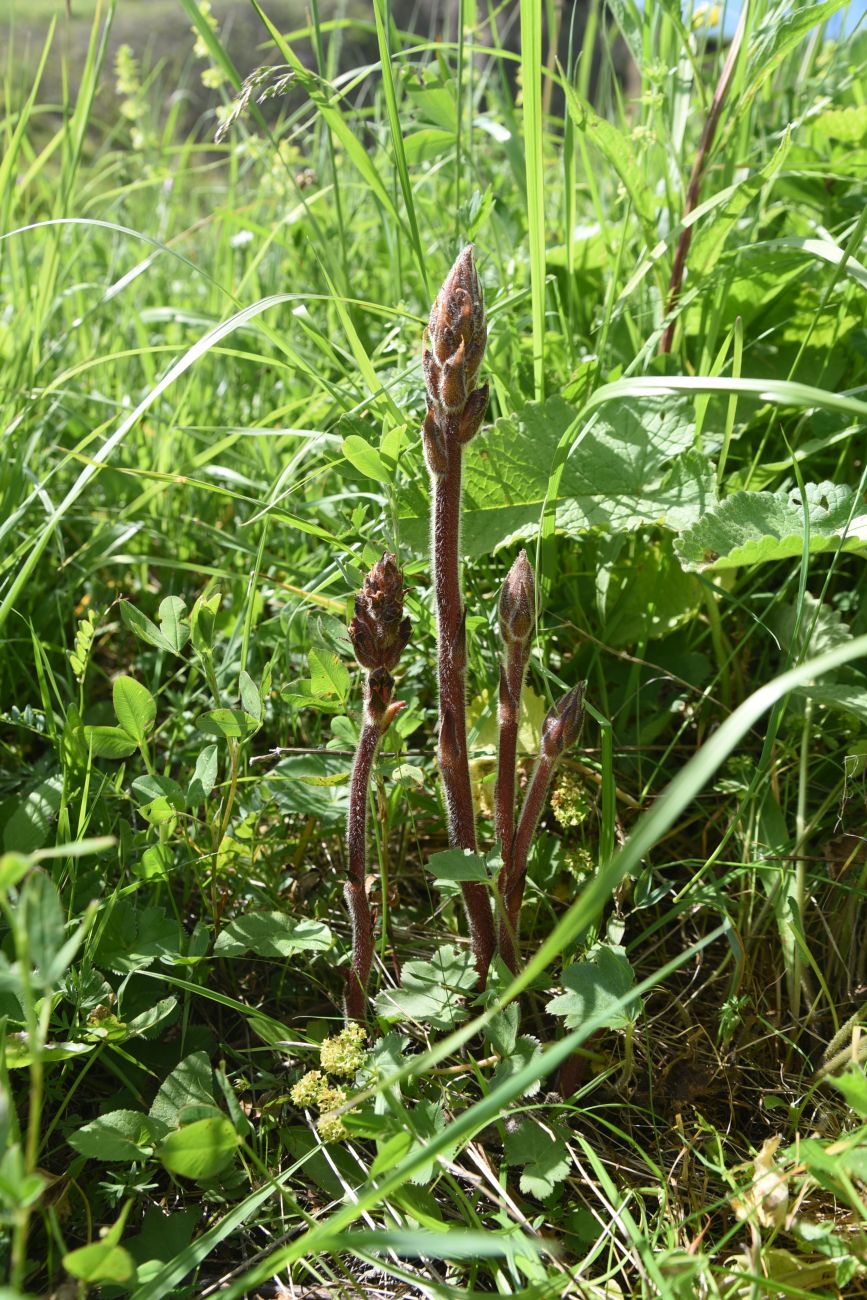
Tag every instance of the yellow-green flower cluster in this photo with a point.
(570, 802)
(345, 1052)
(340, 1055)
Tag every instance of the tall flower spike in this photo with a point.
(379, 634)
(560, 730)
(454, 345)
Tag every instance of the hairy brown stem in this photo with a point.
(452, 658)
(511, 682)
(355, 890)
(694, 188)
(512, 887)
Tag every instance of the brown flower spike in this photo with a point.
(454, 346)
(379, 634)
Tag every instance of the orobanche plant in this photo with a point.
(454, 346)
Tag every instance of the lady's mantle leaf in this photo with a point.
(431, 991)
(271, 934)
(542, 1151)
(597, 987)
(755, 527)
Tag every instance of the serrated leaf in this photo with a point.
(525, 1051)
(757, 527)
(135, 708)
(595, 987)
(272, 934)
(431, 992)
(201, 1149)
(634, 466)
(109, 742)
(542, 1152)
(230, 724)
(175, 631)
(328, 674)
(121, 1135)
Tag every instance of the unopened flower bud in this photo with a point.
(456, 337)
(563, 724)
(518, 602)
(379, 632)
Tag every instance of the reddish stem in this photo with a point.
(452, 659)
(511, 682)
(355, 891)
(512, 887)
(694, 188)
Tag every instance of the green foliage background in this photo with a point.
(211, 394)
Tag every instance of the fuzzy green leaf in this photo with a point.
(121, 1135)
(543, 1154)
(594, 987)
(635, 465)
(272, 934)
(431, 992)
(756, 527)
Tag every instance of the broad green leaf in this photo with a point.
(431, 992)
(633, 466)
(250, 697)
(190, 1084)
(328, 674)
(134, 938)
(230, 724)
(365, 458)
(757, 527)
(175, 631)
(272, 934)
(156, 862)
(542, 1153)
(843, 697)
(147, 631)
(459, 864)
(647, 594)
(34, 813)
(125, 1135)
(200, 1150)
(100, 1262)
(13, 867)
(135, 708)
(109, 742)
(595, 987)
(155, 1015)
(525, 1052)
(147, 789)
(853, 1086)
(204, 776)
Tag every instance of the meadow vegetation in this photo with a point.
(212, 397)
